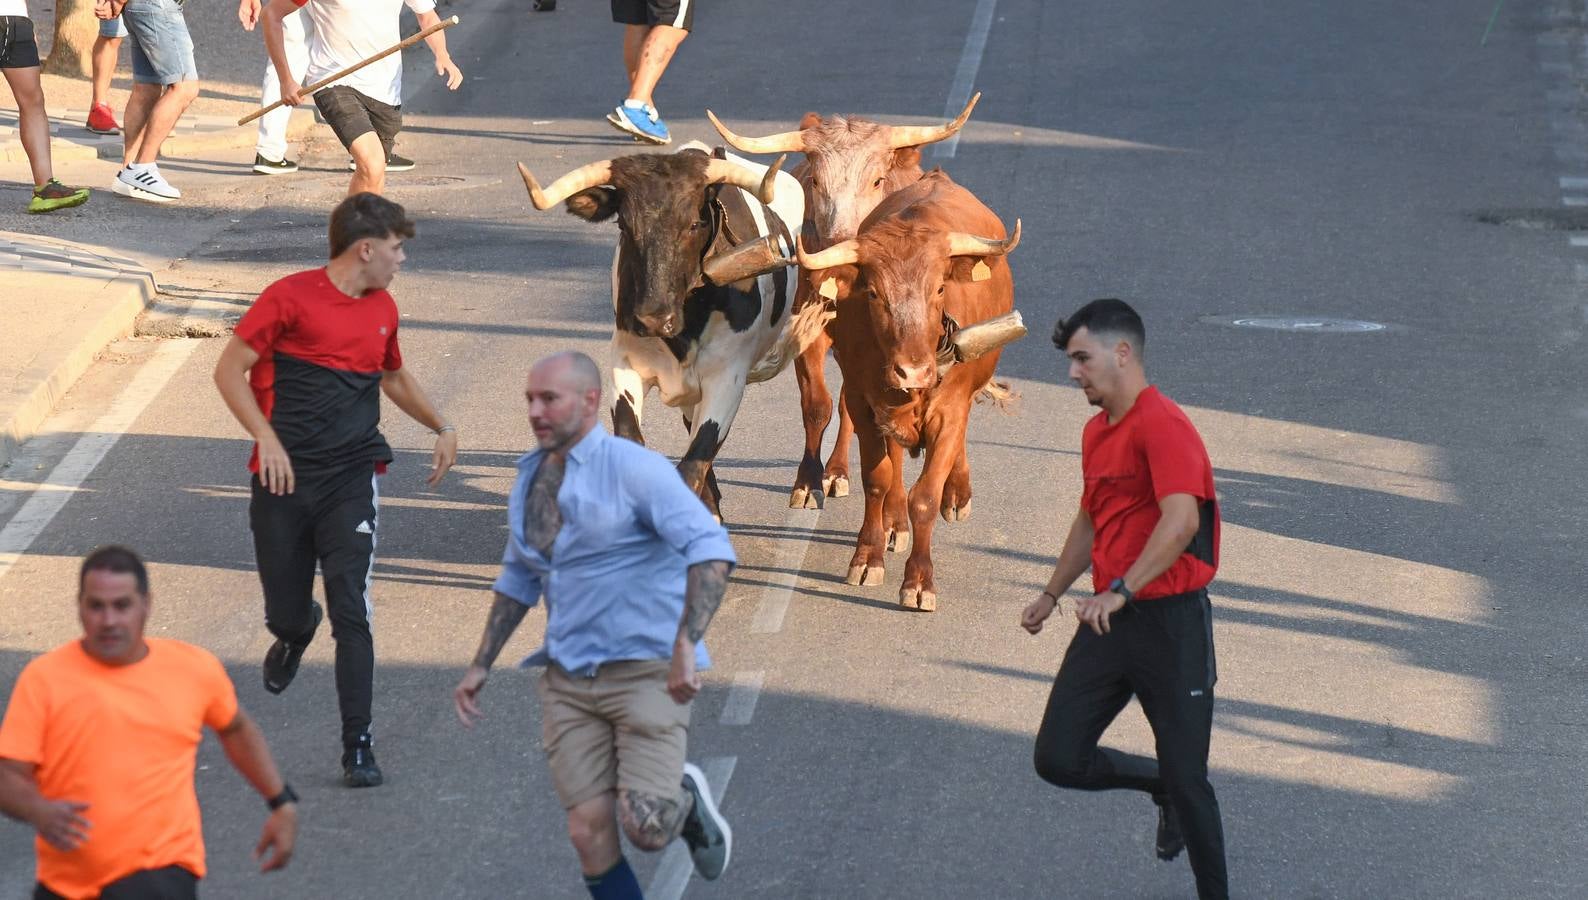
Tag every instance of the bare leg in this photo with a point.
(139, 104)
(34, 121)
(160, 119)
(104, 56)
(369, 165)
(593, 828)
(652, 822)
(633, 42)
(660, 43)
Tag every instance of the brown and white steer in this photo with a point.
(850, 165)
(685, 325)
(927, 261)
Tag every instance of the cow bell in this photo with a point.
(748, 260)
(975, 341)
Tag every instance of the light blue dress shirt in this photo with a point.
(614, 586)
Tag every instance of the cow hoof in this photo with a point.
(836, 485)
(918, 598)
(804, 498)
(865, 576)
(899, 541)
(956, 513)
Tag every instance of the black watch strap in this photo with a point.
(287, 795)
(1118, 587)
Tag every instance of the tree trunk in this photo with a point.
(71, 53)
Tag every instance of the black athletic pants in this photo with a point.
(327, 520)
(169, 883)
(1162, 652)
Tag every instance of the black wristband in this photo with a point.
(1118, 587)
(287, 795)
(1051, 596)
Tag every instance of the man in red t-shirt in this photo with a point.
(304, 372)
(1148, 528)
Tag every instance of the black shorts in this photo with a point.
(351, 114)
(169, 883)
(677, 13)
(18, 49)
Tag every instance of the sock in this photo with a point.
(139, 167)
(618, 883)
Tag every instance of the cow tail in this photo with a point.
(999, 394)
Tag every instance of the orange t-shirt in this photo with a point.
(122, 739)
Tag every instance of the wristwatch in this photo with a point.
(1118, 587)
(287, 795)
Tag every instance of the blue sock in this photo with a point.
(618, 883)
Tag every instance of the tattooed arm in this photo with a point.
(708, 581)
(703, 594)
(505, 615)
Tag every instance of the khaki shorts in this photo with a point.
(618, 730)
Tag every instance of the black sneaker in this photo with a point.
(545, 5)
(282, 166)
(1170, 840)
(358, 764)
(394, 163)
(281, 660)
(706, 832)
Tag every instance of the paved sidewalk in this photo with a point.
(195, 134)
(63, 303)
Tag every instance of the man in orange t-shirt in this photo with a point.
(98, 745)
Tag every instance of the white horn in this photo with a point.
(572, 183)
(916, 135)
(784, 142)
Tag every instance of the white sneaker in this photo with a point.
(145, 184)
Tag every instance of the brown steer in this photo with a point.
(850, 165)
(927, 261)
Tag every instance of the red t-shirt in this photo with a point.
(1151, 452)
(321, 357)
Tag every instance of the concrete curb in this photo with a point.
(117, 299)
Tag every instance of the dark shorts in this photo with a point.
(677, 13)
(351, 114)
(169, 883)
(18, 49)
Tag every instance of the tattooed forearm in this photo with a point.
(506, 613)
(708, 581)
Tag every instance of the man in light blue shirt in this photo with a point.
(632, 568)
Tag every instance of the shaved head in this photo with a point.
(564, 394)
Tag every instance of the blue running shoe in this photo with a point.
(642, 122)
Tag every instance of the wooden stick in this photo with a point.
(403, 45)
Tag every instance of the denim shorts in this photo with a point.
(162, 49)
(112, 28)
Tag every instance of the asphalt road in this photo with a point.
(1398, 625)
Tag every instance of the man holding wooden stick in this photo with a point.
(365, 107)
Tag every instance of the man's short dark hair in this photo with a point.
(367, 215)
(1107, 316)
(115, 559)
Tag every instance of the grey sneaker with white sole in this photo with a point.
(706, 832)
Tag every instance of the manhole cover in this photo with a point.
(1304, 324)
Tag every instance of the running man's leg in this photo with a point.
(1174, 671)
(34, 122)
(272, 140)
(633, 43)
(661, 42)
(162, 62)
(284, 555)
(1088, 693)
(367, 128)
(344, 538)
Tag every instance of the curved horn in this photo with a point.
(572, 183)
(721, 171)
(915, 135)
(843, 253)
(785, 142)
(962, 244)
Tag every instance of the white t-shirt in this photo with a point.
(346, 31)
(14, 8)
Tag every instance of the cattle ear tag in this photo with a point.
(829, 288)
(981, 271)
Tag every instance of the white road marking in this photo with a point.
(69, 474)
(739, 708)
(1579, 240)
(673, 875)
(789, 563)
(1573, 183)
(1581, 272)
(965, 75)
(1570, 200)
